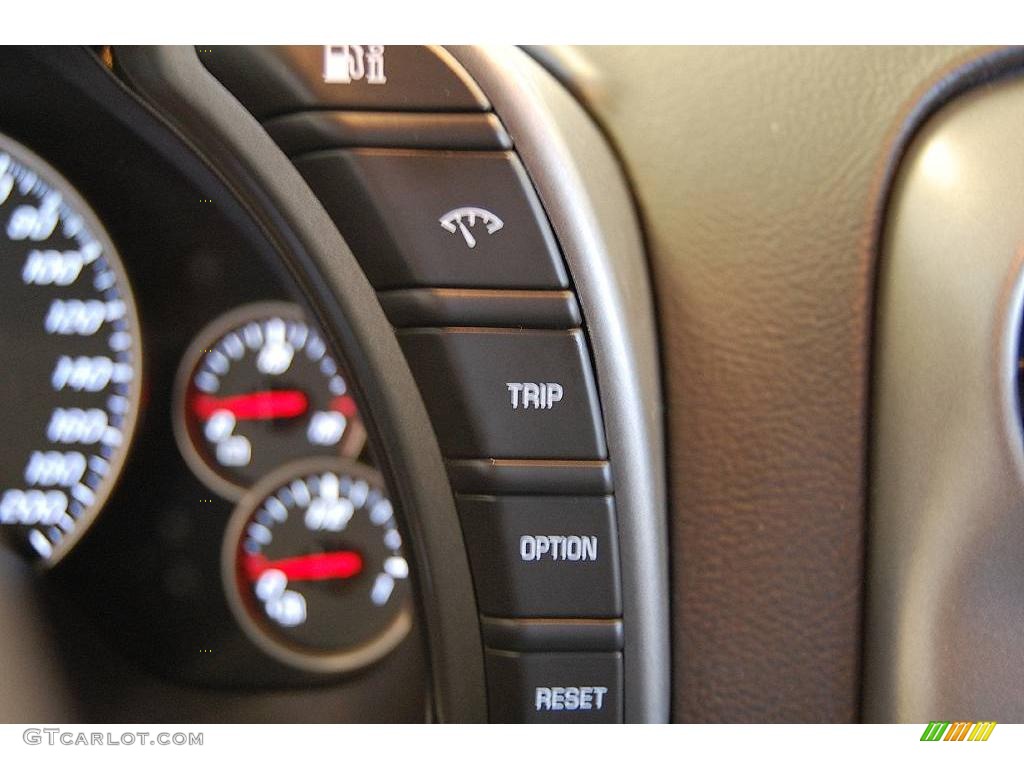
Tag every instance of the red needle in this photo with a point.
(273, 404)
(319, 567)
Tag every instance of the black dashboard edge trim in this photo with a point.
(176, 86)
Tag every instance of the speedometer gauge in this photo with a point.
(257, 389)
(69, 384)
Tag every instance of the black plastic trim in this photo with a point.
(531, 476)
(176, 86)
(439, 307)
(552, 634)
(312, 131)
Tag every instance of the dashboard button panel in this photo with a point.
(440, 212)
(543, 556)
(507, 393)
(438, 219)
(274, 79)
(554, 687)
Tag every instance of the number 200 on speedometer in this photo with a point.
(69, 386)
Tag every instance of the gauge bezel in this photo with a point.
(105, 488)
(350, 445)
(348, 660)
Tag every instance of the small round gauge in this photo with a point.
(258, 388)
(314, 566)
(69, 340)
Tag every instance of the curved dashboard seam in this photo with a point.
(573, 71)
(592, 211)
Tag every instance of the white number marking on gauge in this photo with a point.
(232, 450)
(28, 222)
(276, 355)
(32, 507)
(52, 267)
(73, 317)
(326, 514)
(77, 425)
(285, 606)
(55, 468)
(70, 287)
(89, 374)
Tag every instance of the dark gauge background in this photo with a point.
(138, 605)
(312, 373)
(74, 265)
(342, 620)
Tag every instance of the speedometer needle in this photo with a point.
(343, 564)
(259, 406)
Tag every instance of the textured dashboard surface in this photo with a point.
(758, 172)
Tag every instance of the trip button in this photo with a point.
(554, 687)
(507, 393)
(543, 556)
(274, 79)
(419, 218)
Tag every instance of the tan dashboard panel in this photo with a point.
(757, 172)
(944, 611)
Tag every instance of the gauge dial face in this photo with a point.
(257, 389)
(314, 566)
(69, 337)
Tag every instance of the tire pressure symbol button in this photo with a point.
(463, 220)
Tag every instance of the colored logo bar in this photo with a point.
(958, 731)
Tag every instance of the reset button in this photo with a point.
(554, 687)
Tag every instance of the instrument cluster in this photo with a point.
(186, 462)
